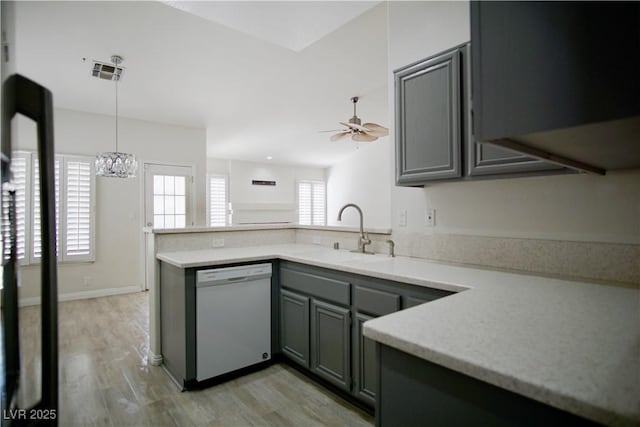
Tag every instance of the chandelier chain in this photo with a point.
(117, 80)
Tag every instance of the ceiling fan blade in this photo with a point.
(376, 129)
(363, 137)
(354, 126)
(340, 135)
(332, 130)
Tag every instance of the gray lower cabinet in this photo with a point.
(315, 321)
(416, 392)
(178, 322)
(412, 301)
(294, 326)
(331, 343)
(365, 363)
(322, 313)
(371, 299)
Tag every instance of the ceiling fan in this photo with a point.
(359, 132)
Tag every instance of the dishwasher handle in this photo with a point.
(231, 280)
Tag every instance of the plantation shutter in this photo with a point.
(20, 163)
(318, 198)
(79, 212)
(217, 201)
(37, 245)
(305, 211)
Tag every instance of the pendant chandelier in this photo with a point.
(116, 164)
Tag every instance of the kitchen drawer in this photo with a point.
(375, 302)
(317, 286)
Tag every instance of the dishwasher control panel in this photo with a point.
(243, 272)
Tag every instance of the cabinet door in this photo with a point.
(412, 301)
(365, 368)
(330, 343)
(486, 159)
(428, 127)
(294, 326)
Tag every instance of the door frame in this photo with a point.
(142, 209)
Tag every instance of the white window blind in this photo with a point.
(311, 203)
(20, 163)
(218, 200)
(74, 202)
(37, 244)
(78, 177)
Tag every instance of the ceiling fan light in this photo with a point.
(363, 137)
(359, 132)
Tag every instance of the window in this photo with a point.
(217, 200)
(37, 245)
(167, 195)
(74, 202)
(311, 203)
(20, 167)
(78, 208)
(169, 201)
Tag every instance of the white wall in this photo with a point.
(242, 192)
(565, 207)
(417, 30)
(119, 263)
(365, 179)
(242, 173)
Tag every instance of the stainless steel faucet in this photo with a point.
(364, 240)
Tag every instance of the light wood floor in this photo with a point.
(105, 378)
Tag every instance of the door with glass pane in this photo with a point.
(168, 196)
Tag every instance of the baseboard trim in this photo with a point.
(72, 296)
(154, 359)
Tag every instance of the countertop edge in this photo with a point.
(445, 286)
(265, 227)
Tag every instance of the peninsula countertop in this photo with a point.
(571, 345)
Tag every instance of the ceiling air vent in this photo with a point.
(107, 71)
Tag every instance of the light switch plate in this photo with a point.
(217, 243)
(402, 218)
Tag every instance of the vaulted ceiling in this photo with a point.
(259, 90)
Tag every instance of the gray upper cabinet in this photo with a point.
(546, 65)
(428, 139)
(486, 159)
(434, 129)
(559, 77)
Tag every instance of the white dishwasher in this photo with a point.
(233, 319)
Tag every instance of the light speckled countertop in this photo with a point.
(572, 345)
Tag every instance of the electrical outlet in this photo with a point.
(316, 240)
(402, 218)
(217, 243)
(431, 218)
(87, 281)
